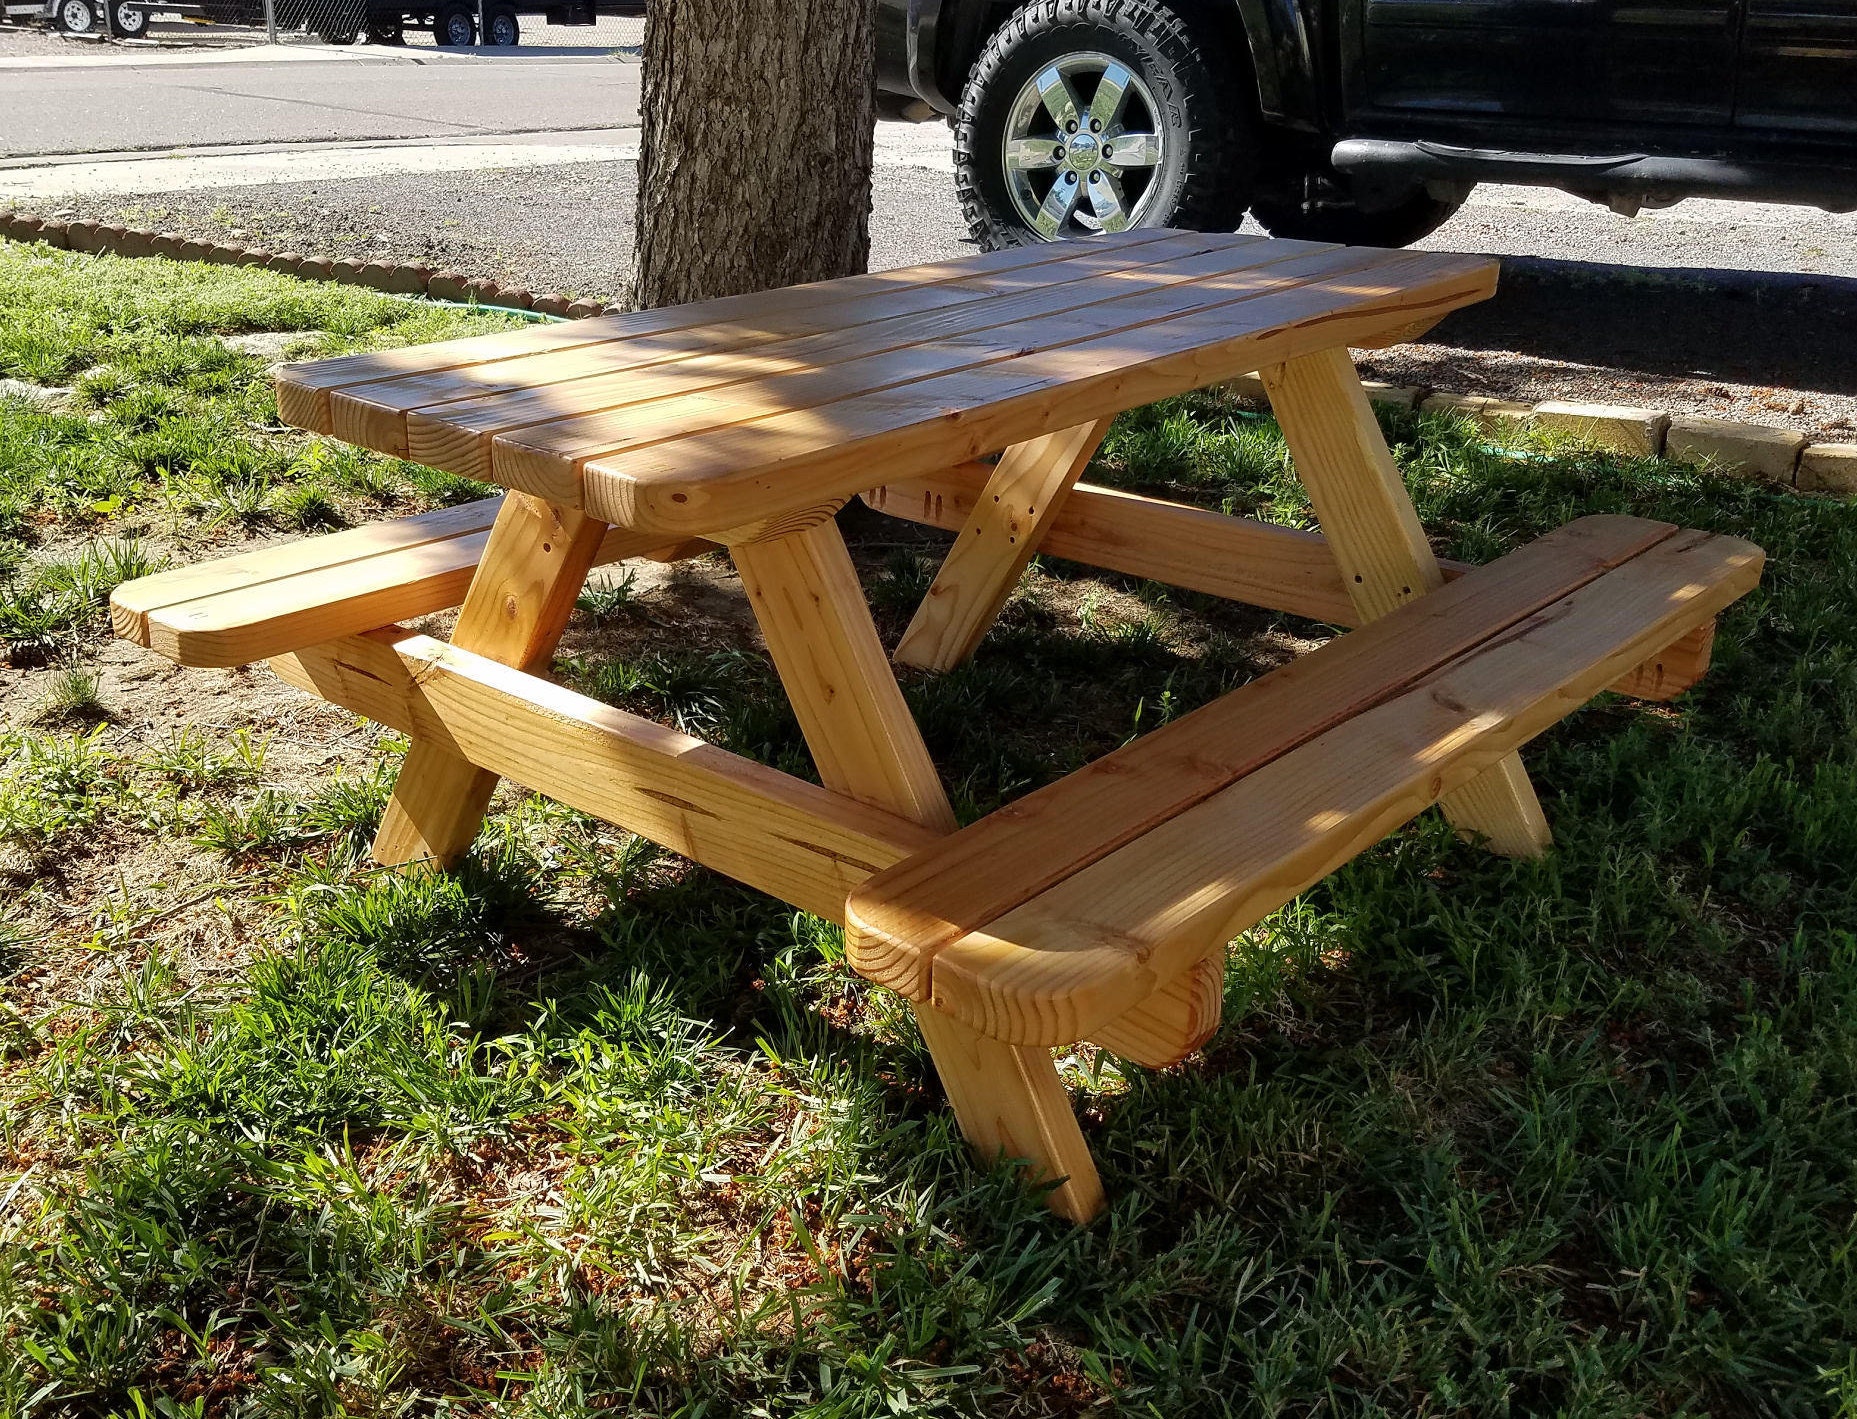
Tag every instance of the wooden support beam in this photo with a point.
(1361, 502)
(1174, 1022)
(1008, 1100)
(802, 843)
(1005, 526)
(534, 564)
(1237, 558)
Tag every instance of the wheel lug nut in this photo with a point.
(1071, 127)
(1058, 154)
(1070, 177)
(1108, 152)
(1096, 125)
(1096, 177)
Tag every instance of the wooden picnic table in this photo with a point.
(1099, 907)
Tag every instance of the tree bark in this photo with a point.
(756, 163)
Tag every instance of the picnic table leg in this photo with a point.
(1009, 519)
(1008, 1099)
(1364, 509)
(534, 565)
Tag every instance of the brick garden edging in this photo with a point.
(390, 277)
(1762, 451)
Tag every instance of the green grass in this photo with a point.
(583, 1129)
(168, 431)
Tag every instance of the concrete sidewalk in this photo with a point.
(37, 180)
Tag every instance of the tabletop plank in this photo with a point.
(744, 469)
(528, 389)
(304, 390)
(835, 365)
(553, 454)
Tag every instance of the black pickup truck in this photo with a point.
(1369, 121)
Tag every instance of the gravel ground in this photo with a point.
(1772, 346)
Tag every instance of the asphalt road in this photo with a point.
(1717, 307)
(160, 103)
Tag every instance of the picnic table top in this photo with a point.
(699, 418)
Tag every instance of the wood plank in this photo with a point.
(303, 389)
(810, 606)
(1361, 502)
(1127, 300)
(255, 621)
(430, 417)
(1173, 1023)
(134, 601)
(1065, 963)
(1237, 558)
(534, 564)
(800, 842)
(1008, 1101)
(901, 920)
(756, 468)
(1673, 669)
(1016, 508)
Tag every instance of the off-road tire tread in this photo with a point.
(1215, 187)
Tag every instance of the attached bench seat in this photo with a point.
(255, 605)
(1093, 904)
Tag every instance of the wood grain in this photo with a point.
(534, 564)
(1008, 522)
(1064, 963)
(900, 920)
(1361, 502)
(303, 389)
(1174, 1022)
(803, 843)
(754, 468)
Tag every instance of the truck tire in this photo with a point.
(504, 29)
(456, 26)
(131, 21)
(1027, 170)
(386, 29)
(78, 17)
(1341, 221)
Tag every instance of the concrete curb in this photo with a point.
(391, 278)
(1781, 456)
(1775, 455)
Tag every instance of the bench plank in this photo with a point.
(903, 919)
(1061, 964)
(254, 605)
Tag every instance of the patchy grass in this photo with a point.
(584, 1129)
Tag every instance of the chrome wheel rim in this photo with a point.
(77, 16)
(1082, 148)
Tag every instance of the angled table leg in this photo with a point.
(1364, 509)
(533, 568)
(990, 552)
(1008, 1099)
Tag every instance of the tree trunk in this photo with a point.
(756, 164)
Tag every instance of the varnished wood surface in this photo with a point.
(731, 413)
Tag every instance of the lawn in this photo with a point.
(587, 1129)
